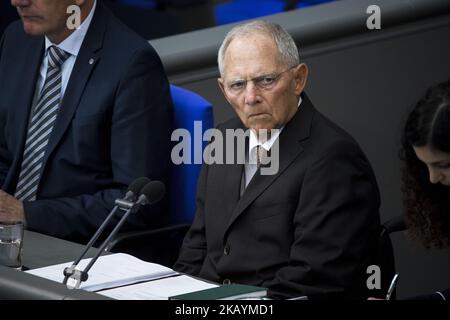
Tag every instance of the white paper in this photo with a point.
(109, 271)
(158, 289)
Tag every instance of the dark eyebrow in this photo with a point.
(271, 74)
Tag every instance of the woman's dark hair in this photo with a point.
(427, 205)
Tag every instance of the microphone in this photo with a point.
(395, 224)
(149, 192)
(134, 190)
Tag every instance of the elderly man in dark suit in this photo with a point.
(84, 110)
(309, 228)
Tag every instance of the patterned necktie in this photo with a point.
(40, 127)
(259, 155)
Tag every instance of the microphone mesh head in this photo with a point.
(137, 185)
(154, 191)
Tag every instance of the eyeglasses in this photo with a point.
(263, 82)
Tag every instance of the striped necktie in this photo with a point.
(259, 150)
(40, 127)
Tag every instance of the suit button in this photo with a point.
(226, 250)
(226, 281)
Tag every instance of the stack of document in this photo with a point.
(160, 289)
(109, 271)
(124, 277)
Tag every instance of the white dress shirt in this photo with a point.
(71, 45)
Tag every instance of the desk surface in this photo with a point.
(40, 250)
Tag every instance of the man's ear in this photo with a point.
(301, 76)
(222, 88)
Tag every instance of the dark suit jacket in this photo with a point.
(7, 15)
(113, 126)
(306, 230)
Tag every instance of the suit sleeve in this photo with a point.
(3, 149)
(140, 137)
(193, 250)
(335, 222)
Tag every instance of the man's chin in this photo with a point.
(257, 127)
(260, 122)
(32, 28)
(261, 125)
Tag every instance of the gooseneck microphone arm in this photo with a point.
(79, 276)
(151, 193)
(133, 190)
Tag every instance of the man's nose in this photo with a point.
(251, 93)
(20, 3)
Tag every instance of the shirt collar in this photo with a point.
(72, 43)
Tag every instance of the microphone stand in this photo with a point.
(73, 276)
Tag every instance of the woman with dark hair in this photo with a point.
(426, 172)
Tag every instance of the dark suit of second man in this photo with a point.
(111, 124)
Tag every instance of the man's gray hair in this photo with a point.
(286, 46)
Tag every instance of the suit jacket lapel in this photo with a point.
(230, 176)
(297, 130)
(30, 71)
(86, 61)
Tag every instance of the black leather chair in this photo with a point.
(384, 256)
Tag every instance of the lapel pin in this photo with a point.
(91, 60)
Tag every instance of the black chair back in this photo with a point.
(384, 256)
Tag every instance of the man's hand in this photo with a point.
(11, 209)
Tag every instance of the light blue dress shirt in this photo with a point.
(71, 45)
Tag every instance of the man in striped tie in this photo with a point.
(84, 110)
